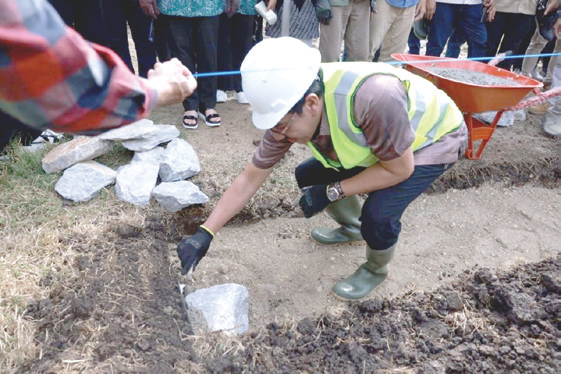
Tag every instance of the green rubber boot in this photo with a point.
(345, 212)
(367, 277)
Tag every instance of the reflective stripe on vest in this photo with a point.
(431, 112)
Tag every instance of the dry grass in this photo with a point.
(33, 222)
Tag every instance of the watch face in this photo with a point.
(332, 194)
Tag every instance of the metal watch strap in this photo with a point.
(340, 190)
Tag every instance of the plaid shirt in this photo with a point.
(52, 78)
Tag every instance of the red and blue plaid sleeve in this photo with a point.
(52, 78)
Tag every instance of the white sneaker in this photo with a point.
(221, 96)
(536, 75)
(240, 96)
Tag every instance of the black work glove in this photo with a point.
(191, 249)
(323, 11)
(314, 199)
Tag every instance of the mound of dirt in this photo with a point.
(484, 323)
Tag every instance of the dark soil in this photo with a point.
(484, 322)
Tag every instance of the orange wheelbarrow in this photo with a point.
(473, 98)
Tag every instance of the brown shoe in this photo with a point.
(539, 109)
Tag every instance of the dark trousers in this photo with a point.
(162, 36)
(11, 128)
(382, 210)
(508, 31)
(466, 18)
(194, 42)
(235, 39)
(86, 16)
(117, 14)
(413, 43)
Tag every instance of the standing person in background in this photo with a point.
(57, 80)
(193, 32)
(119, 13)
(235, 39)
(390, 26)
(465, 15)
(304, 24)
(513, 21)
(343, 20)
(86, 17)
(551, 122)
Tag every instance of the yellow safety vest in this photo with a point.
(432, 113)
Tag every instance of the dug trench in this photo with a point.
(474, 288)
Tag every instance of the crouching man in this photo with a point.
(372, 129)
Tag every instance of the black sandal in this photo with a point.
(190, 117)
(208, 119)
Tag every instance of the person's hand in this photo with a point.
(271, 4)
(557, 28)
(150, 8)
(551, 6)
(491, 12)
(232, 7)
(173, 82)
(430, 8)
(314, 199)
(191, 249)
(323, 11)
(420, 10)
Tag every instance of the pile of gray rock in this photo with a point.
(154, 171)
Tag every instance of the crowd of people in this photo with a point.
(215, 36)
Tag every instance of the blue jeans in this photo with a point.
(455, 44)
(465, 18)
(413, 43)
(382, 210)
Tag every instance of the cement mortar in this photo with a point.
(473, 77)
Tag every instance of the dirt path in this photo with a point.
(288, 275)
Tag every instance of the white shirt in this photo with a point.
(527, 7)
(460, 2)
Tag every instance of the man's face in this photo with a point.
(297, 127)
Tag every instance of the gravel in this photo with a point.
(473, 77)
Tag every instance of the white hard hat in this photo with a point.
(276, 73)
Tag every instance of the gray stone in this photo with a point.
(154, 155)
(136, 181)
(179, 161)
(219, 308)
(174, 196)
(83, 181)
(136, 130)
(79, 149)
(163, 134)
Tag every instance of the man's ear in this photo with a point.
(313, 103)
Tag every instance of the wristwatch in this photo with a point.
(335, 192)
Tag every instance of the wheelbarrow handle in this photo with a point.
(538, 99)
